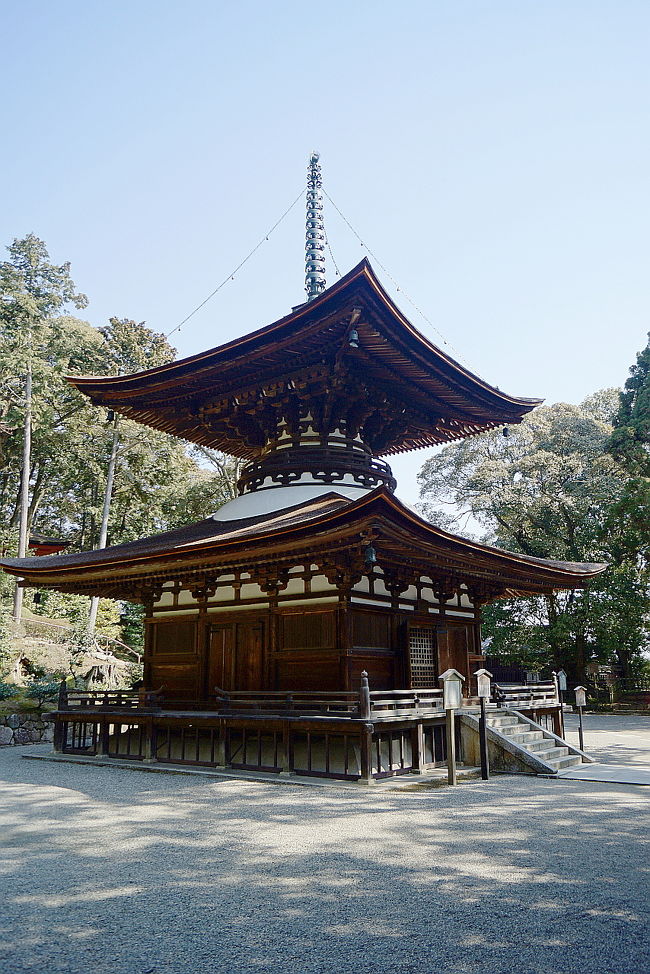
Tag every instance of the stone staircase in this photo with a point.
(517, 745)
(540, 744)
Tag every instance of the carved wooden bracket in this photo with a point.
(204, 589)
(445, 588)
(398, 580)
(344, 570)
(271, 580)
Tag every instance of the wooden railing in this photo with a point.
(94, 699)
(530, 696)
(365, 703)
(407, 703)
(295, 702)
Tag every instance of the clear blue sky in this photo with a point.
(494, 155)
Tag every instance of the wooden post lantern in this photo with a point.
(452, 697)
(452, 689)
(483, 682)
(581, 701)
(581, 696)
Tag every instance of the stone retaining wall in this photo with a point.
(26, 729)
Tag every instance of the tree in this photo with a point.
(628, 523)
(159, 483)
(33, 291)
(545, 490)
(131, 347)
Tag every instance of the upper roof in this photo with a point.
(226, 397)
(321, 524)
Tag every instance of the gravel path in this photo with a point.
(119, 872)
(613, 738)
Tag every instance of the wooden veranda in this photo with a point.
(355, 736)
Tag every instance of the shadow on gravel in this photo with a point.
(115, 871)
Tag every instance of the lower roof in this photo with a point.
(323, 525)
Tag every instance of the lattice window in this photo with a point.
(422, 649)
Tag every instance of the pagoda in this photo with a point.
(315, 574)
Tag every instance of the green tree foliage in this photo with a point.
(159, 482)
(546, 490)
(42, 690)
(628, 524)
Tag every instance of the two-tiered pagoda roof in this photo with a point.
(359, 380)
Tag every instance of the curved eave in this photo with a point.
(335, 516)
(145, 396)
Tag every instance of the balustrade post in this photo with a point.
(63, 695)
(366, 754)
(365, 704)
(559, 720)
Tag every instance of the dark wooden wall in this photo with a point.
(295, 648)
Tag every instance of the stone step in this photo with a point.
(545, 744)
(502, 721)
(523, 737)
(567, 762)
(552, 754)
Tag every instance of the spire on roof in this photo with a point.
(315, 245)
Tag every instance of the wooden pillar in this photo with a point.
(286, 757)
(149, 636)
(150, 742)
(201, 636)
(102, 751)
(220, 749)
(60, 735)
(344, 637)
(417, 749)
(271, 645)
(365, 747)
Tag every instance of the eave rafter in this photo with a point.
(400, 554)
(194, 398)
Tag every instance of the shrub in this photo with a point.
(42, 690)
(8, 690)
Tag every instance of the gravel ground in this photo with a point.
(110, 870)
(613, 738)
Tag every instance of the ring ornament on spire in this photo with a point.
(315, 231)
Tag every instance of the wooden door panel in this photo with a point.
(221, 669)
(248, 656)
(236, 657)
(452, 649)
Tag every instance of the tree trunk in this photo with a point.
(103, 531)
(24, 487)
(580, 661)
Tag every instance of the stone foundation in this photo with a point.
(26, 729)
